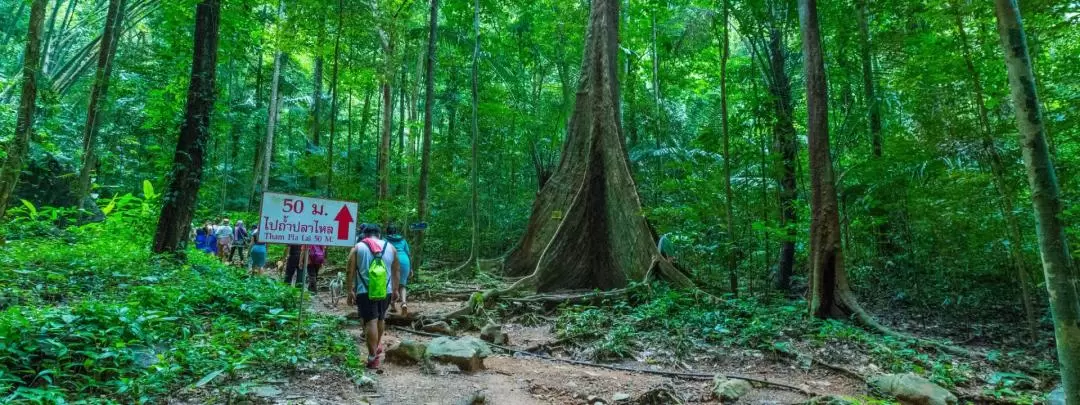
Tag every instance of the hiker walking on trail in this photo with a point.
(258, 252)
(292, 263)
(211, 238)
(239, 241)
(402, 246)
(373, 274)
(316, 258)
(224, 233)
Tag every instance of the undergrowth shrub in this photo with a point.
(91, 315)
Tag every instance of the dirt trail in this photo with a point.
(528, 380)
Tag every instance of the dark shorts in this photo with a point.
(372, 310)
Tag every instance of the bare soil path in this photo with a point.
(528, 380)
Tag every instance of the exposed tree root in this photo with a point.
(863, 317)
(675, 374)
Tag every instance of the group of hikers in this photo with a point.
(225, 240)
(378, 269)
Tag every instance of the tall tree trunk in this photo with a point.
(50, 32)
(383, 163)
(256, 166)
(178, 209)
(1045, 195)
(425, 149)
(271, 121)
(17, 147)
(997, 171)
(729, 196)
(334, 102)
(99, 93)
(399, 160)
(827, 276)
(474, 175)
(316, 111)
(271, 115)
(365, 116)
(586, 229)
(784, 131)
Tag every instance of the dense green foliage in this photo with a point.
(73, 292)
(89, 314)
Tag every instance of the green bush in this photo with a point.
(91, 314)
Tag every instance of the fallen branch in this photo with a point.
(690, 376)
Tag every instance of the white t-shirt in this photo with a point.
(223, 231)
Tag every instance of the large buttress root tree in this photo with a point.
(586, 229)
(186, 177)
(1057, 262)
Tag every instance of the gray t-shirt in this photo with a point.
(363, 261)
(223, 231)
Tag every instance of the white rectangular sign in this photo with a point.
(296, 220)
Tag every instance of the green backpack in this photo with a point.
(376, 272)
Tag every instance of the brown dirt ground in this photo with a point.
(528, 380)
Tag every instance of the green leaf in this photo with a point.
(209, 377)
(109, 208)
(148, 190)
(31, 208)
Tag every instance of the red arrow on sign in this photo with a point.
(343, 218)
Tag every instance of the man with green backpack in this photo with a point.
(373, 274)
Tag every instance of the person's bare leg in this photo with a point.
(372, 334)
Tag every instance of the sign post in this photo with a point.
(296, 220)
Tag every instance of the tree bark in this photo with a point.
(784, 131)
(425, 149)
(1057, 262)
(365, 116)
(729, 196)
(334, 102)
(99, 93)
(383, 164)
(256, 166)
(586, 229)
(178, 209)
(50, 32)
(474, 175)
(997, 171)
(827, 277)
(17, 147)
(271, 121)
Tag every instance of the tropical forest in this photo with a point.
(586, 202)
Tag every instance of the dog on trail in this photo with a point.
(337, 288)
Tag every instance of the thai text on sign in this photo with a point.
(297, 220)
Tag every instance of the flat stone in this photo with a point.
(266, 391)
(730, 389)
(467, 353)
(912, 389)
(620, 397)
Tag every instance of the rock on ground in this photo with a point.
(467, 353)
(912, 389)
(440, 327)
(730, 389)
(407, 352)
(494, 333)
